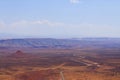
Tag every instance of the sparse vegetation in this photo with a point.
(80, 67)
(46, 64)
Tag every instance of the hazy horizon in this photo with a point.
(16, 36)
(59, 19)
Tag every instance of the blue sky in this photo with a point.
(60, 18)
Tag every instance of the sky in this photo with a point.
(60, 18)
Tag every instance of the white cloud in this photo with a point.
(75, 1)
(47, 27)
(19, 23)
(39, 22)
(47, 22)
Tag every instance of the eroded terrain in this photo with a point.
(75, 64)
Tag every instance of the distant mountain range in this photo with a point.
(60, 43)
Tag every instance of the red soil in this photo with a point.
(39, 75)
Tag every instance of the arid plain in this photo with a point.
(76, 64)
(87, 63)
